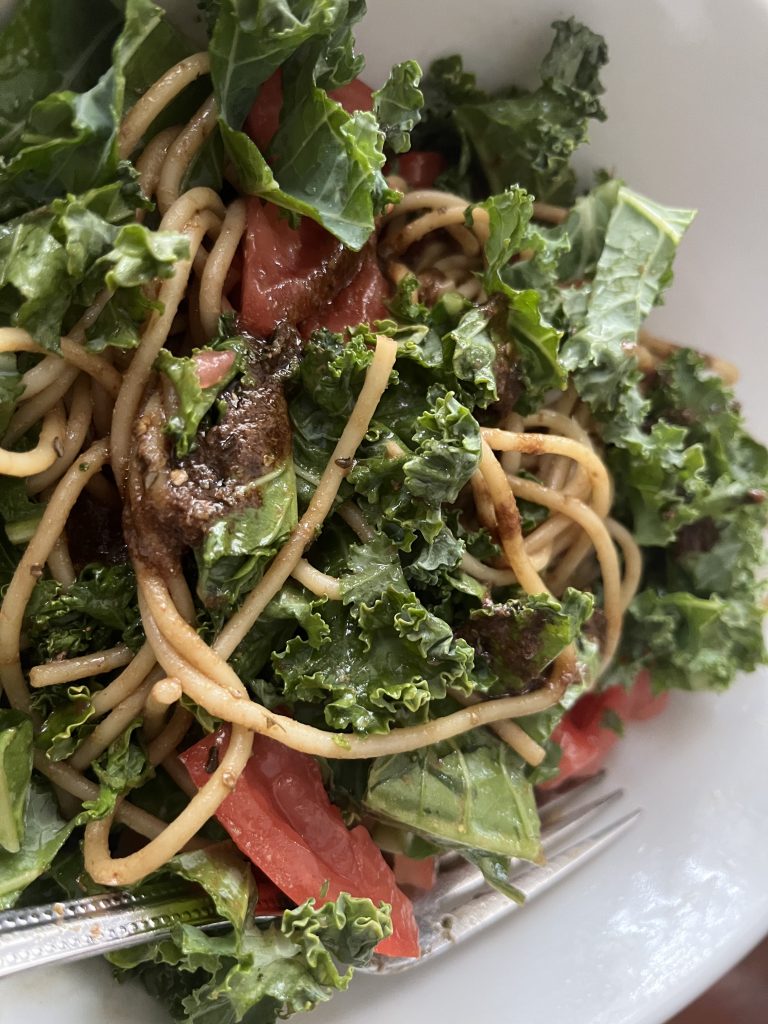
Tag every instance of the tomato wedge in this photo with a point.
(420, 167)
(584, 737)
(362, 301)
(303, 274)
(280, 817)
(285, 272)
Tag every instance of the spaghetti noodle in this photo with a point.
(431, 234)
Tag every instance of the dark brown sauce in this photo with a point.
(180, 498)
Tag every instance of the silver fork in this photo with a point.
(460, 904)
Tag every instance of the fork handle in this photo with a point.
(75, 929)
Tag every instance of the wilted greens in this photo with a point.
(402, 628)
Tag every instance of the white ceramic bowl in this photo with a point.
(678, 901)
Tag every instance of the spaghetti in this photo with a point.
(547, 458)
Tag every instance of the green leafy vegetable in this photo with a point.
(264, 973)
(44, 833)
(225, 876)
(97, 611)
(237, 547)
(585, 228)
(15, 774)
(694, 643)
(521, 329)
(516, 136)
(10, 388)
(322, 163)
(397, 104)
(193, 400)
(382, 661)
(496, 871)
(19, 514)
(52, 47)
(61, 732)
(64, 254)
(515, 641)
(69, 140)
(123, 766)
(406, 491)
(470, 792)
(634, 268)
(699, 618)
(528, 138)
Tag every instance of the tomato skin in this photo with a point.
(282, 266)
(418, 874)
(646, 703)
(420, 167)
(355, 95)
(279, 815)
(288, 272)
(286, 276)
(583, 737)
(362, 301)
(264, 116)
(213, 366)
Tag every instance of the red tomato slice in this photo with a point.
(280, 817)
(419, 874)
(420, 167)
(355, 95)
(646, 703)
(362, 301)
(264, 117)
(213, 366)
(583, 737)
(292, 273)
(583, 750)
(284, 267)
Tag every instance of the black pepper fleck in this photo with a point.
(213, 760)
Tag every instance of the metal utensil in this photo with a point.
(460, 904)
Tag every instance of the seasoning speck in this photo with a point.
(347, 463)
(36, 571)
(213, 760)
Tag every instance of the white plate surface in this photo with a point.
(679, 900)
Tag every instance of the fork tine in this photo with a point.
(565, 818)
(459, 880)
(532, 879)
(551, 801)
(444, 932)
